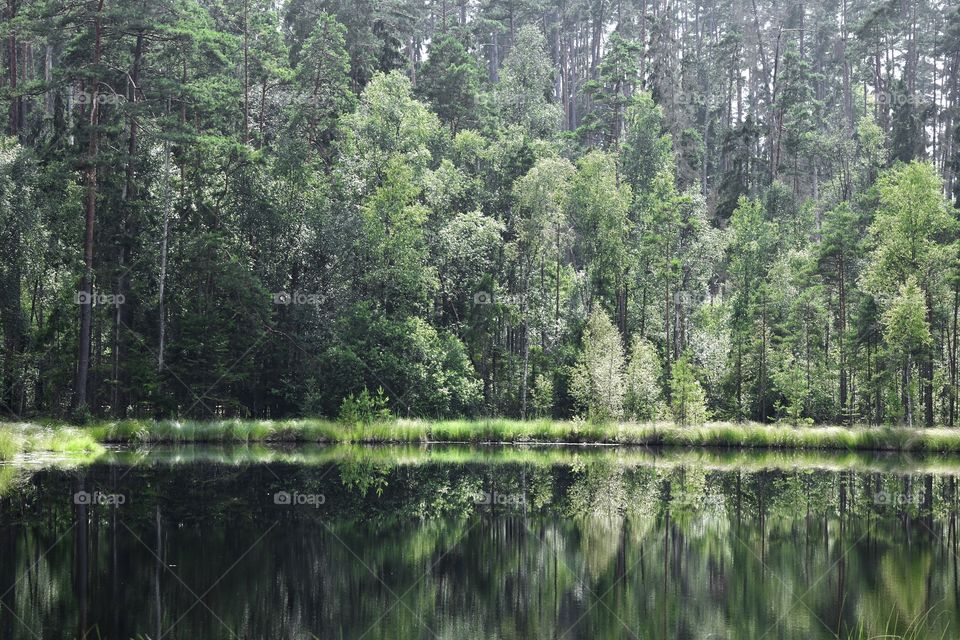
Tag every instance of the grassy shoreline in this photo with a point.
(539, 455)
(58, 437)
(20, 437)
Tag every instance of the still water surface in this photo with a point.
(395, 543)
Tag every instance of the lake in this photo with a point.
(365, 543)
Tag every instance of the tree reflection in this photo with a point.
(585, 547)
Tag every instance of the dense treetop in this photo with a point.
(637, 209)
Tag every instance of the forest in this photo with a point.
(618, 210)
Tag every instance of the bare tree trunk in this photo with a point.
(953, 354)
(847, 92)
(163, 250)
(495, 59)
(14, 327)
(246, 72)
(16, 103)
(668, 356)
(927, 370)
(50, 96)
(763, 357)
(90, 179)
(129, 193)
(526, 363)
(947, 144)
(907, 396)
(840, 337)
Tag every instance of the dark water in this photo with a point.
(454, 543)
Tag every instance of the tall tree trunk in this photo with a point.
(840, 336)
(14, 328)
(948, 120)
(16, 102)
(526, 364)
(50, 96)
(927, 370)
(557, 283)
(90, 180)
(953, 354)
(246, 72)
(495, 58)
(129, 194)
(847, 92)
(163, 251)
(667, 352)
(763, 356)
(907, 396)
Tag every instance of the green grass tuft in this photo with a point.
(16, 438)
(61, 438)
(9, 445)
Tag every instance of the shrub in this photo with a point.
(365, 408)
(687, 399)
(644, 395)
(598, 384)
(543, 395)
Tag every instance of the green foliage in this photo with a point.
(365, 408)
(598, 377)
(9, 446)
(798, 103)
(542, 395)
(450, 80)
(909, 229)
(644, 395)
(647, 149)
(323, 83)
(393, 241)
(611, 92)
(524, 83)
(598, 204)
(792, 382)
(424, 372)
(333, 195)
(687, 400)
(388, 128)
(905, 321)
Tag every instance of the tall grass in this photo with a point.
(543, 431)
(667, 458)
(60, 438)
(9, 445)
(16, 438)
(923, 627)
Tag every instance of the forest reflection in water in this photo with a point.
(402, 542)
